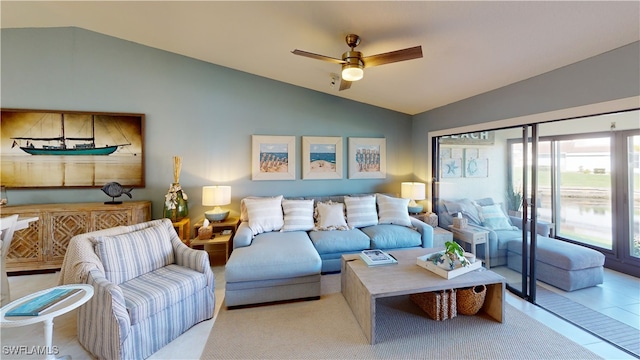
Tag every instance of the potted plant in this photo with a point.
(514, 200)
(453, 254)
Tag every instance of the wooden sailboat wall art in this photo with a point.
(43, 148)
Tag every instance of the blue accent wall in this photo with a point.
(202, 112)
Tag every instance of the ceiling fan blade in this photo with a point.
(344, 84)
(393, 56)
(317, 57)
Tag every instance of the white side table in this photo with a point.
(62, 307)
(473, 236)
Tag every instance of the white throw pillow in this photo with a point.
(330, 216)
(265, 214)
(361, 211)
(298, 215)
(393, 210)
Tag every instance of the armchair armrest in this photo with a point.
(197, 260)
(425, 230)
(103, 322)
(243, 236)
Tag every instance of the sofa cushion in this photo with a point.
(495, 219)
(127, 256)
(155, 291)
(328, 242)
(274, 255)
(298, 215)
(330, 216)
(361, 211)
(265, 214)
(392, 236)
(393, 210)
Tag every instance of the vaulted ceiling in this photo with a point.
(469, 47)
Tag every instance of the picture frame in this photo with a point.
(71, 149)
(321, 157)
(476, 167)
(451, 168)
(273, 157)
(367, 158)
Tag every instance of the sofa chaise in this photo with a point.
(564, 265)
(283, 245)
(148, 288)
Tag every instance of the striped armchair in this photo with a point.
(148, 288)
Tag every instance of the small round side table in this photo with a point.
(63, 307)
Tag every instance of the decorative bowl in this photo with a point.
(211, 216)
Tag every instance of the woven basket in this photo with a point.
(439, 305)
(470, 300)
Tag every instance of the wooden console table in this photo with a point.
(43, 244)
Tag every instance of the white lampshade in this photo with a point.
(412, 190)
(216, 196)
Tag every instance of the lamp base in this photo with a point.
(415, 209)
(213, 215)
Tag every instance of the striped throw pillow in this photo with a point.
(298, 215)
(361, 211)
(265, 214)
(393, 210)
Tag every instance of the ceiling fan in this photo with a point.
(353, 62)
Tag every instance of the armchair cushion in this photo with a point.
(155, 291)
(120, 254)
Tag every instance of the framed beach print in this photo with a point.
(451, 168)
(321, 157)
(367, 158)
(71, 149)
(273, 157)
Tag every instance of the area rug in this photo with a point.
(326, 329)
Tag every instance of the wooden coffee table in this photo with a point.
(363, 285)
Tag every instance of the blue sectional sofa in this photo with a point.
(283, 245)
(561, 264)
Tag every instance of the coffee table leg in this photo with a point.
(361, 303)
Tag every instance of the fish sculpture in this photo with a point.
(115, 190)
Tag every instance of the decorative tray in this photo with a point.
(423, 261)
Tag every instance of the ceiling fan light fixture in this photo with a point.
(352, 72)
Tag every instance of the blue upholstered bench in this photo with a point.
(561, 264)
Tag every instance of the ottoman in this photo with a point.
(561, 264)
(277, 266)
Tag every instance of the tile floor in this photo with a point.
(618, 297)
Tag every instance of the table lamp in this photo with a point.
(216, 196)
(413, 191)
